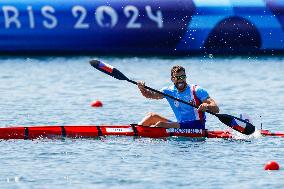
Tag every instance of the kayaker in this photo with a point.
(187, 116)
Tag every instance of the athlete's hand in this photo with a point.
(203, 107)
(147, 92)
(141, 85)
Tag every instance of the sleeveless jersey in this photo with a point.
(184, 112)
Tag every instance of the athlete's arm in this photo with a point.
(210, 105)
(148, 93)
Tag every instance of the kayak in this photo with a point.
(93, 131)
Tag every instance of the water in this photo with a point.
(59, 90)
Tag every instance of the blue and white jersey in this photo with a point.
(184, 112)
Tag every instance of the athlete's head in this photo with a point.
(179, 77)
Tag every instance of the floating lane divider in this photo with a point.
(235, 123)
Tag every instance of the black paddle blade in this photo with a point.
(108, 69)
(237, 124)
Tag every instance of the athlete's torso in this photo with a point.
(184, 112)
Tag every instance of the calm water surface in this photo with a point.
(59, 90)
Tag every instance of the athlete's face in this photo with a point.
(179, 80)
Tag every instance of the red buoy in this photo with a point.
(271, 165)
(96, 104)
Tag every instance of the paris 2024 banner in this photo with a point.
(167, 27)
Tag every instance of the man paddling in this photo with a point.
(187, 116)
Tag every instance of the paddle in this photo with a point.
(235, 123)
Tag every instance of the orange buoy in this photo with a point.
(271, 165)
(96, 104)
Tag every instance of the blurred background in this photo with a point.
(155, 27)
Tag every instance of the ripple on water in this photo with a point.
(58, 91)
